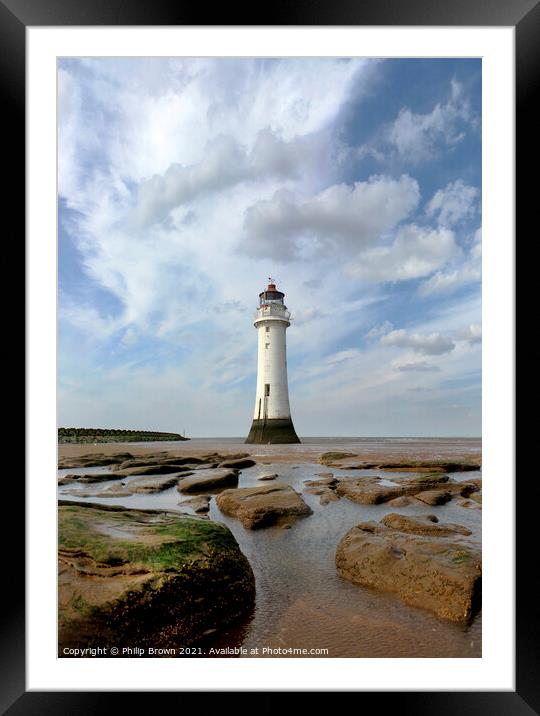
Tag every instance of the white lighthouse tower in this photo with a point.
(272, 417)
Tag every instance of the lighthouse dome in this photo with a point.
(271, 294)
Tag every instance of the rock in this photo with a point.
(330, 457)
(315, 490)
(328, 496)
(208, 480)
(148, 461)
(430, 466)
(469, 504)
(217, 457)
(198, 504)
(423, 525)
(146, 578)
(262, 505)
(477, 497)
(400, 501)
(93, 460)
(152, 484)
(151, 470)
(423, 482)
(89, 478)
(434, 497)
(238, 463)
(67, 479)
(324, 474)
(272, 476)
(369, 490)
(429, 571)
(329, 481)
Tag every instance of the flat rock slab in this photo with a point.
(152, 484)
(151, 470)
(89, 478)
(371, 491)
(199, 504)
(263, 505)
(272, 476)
(469, 504)
(148, 461)
(349, 461)
(328, 496)
(328, 481)
(146, 578)
(240, 463)
(93, 460)
(204, 480)
(435, 572)
(434, 497)
(423, 525)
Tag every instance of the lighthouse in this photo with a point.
(272, 417)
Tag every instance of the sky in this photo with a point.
(184, 184)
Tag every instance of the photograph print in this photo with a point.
(269, 357)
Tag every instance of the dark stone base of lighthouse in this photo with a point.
(275, 432)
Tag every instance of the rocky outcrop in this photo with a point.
(146, 578)
(262, 505)
(423, 525)
(434, 569)
(93, 460)
(350, 461)
(272, 476)
(372, 490)
(204, 480)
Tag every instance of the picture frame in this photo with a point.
(15, 17)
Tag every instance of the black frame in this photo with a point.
(524, 16)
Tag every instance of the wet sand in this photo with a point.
(368, 449)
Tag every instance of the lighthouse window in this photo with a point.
(267, 389)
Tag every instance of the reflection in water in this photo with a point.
(301, 600)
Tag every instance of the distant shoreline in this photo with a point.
(77, 436)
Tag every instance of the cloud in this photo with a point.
(225, 164)
(416, 136)
(380, 330)
(432, 344)
(420, 367)
(416, 251)
(468, 271)
(447, 281)
(456, 203)
(342, 217)
(472, 334)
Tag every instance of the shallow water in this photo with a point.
(301, 600)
